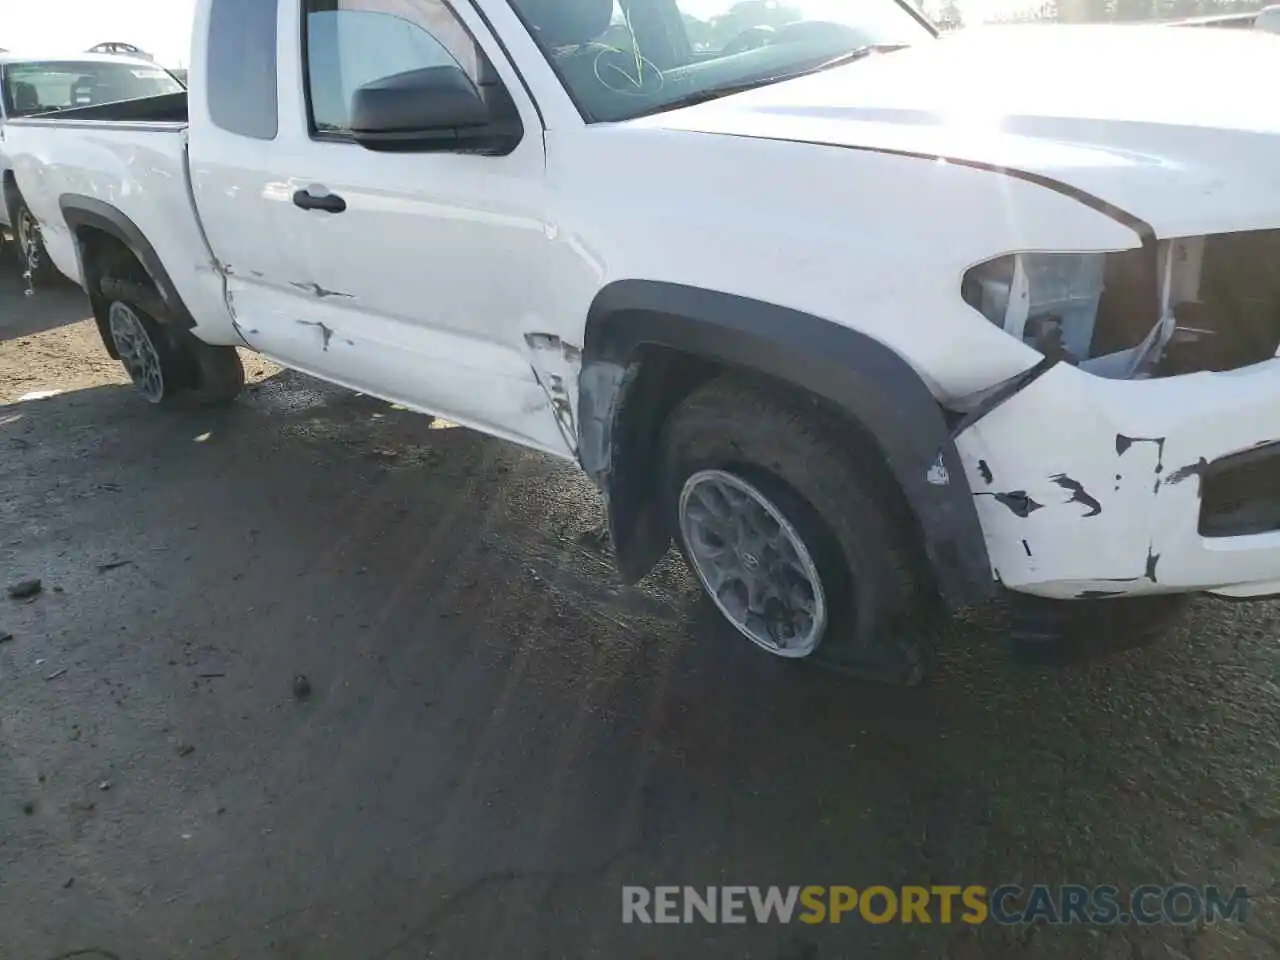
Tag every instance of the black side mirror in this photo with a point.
(432, 109)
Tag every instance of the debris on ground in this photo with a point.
(114, 565)
(25, 589)
(56, 674)
(301, 687)
(5, 636)
(28, 808)
(186, 749)
(104, 785)
(71, 882)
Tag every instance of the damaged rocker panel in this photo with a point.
(556, 366)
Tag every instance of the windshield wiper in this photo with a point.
(695, 97)
(852, 55)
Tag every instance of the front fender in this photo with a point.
(853, 372)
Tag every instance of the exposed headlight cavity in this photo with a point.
(1217, 304)
(1047, 300)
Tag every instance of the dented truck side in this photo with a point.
(1030, 328)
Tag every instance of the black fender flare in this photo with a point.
(80, 211)
(850, 370)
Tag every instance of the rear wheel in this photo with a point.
(28, 245)
(793, 532)
(161, 359)
(141, 345)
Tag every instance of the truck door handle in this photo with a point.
(329, 203)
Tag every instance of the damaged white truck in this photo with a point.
(862, 319)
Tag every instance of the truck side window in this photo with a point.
(241, 68)
(354, 42)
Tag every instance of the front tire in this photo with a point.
(793, 531)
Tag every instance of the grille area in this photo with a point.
(1235, 321)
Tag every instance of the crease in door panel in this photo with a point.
(316, 290)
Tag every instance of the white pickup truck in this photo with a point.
(859, 317)
(33, 84)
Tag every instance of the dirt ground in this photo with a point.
(498, 737)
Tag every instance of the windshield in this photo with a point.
(622, 58)
(40, 87)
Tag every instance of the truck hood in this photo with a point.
(1175, 126)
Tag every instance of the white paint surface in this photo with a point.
(444, 265)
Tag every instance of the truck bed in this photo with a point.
(129, 158)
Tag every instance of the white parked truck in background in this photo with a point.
(859, 318)
(41, 85)
(127, 49)
(1267, 19)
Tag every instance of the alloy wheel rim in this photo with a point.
(752, 563)
(137, 352)
(29, 240)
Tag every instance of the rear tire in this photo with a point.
(764, 490)
(28, 247)
(213, 375)
(144, 351)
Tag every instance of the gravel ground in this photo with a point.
(496, 736)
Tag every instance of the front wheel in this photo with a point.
(794, 534)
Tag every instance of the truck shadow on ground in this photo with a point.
(56, 305)
(499, 736)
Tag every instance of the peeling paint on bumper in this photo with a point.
(1113, 468)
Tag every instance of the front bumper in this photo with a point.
(1091, 487)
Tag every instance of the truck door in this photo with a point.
(234, 112)
(419, 270)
